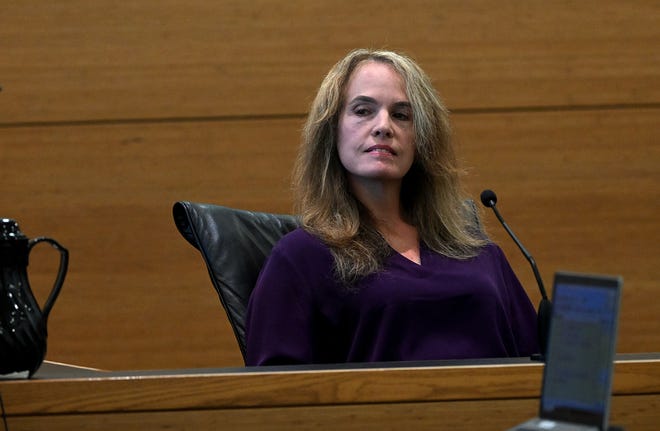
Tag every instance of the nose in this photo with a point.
(382, 125)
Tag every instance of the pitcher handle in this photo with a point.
(64, 265)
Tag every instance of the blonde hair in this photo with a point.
(431, 193)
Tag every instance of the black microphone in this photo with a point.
(489, 199)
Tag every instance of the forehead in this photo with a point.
(371, 75)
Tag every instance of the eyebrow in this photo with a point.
(371, 100)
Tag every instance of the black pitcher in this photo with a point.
(22, 324)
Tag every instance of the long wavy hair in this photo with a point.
(431, 194)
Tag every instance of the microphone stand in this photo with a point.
(489, 199)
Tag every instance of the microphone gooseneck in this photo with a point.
(489, 200)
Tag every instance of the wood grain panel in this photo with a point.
(435, 397)
(580, 188)
(81, 60)
(639, 413)
(105, 392)
(418, 416)
(295, 386)
(582, 191)
(137, 295)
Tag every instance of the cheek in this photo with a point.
(343, 128)
(341, 143)
(412, 153)
(408, 141)
(344, 153)
(345, 137)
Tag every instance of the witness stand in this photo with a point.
(456, 395)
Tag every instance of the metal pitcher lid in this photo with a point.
(9, 230)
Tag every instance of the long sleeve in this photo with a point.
(280, 327)
(520, 311)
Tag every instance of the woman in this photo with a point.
(388, 265)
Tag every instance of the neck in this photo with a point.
(383, 200)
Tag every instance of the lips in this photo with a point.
(381, 149)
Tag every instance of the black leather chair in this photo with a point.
(234, 244)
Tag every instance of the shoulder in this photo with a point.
(301, 246)
(299, 240)
(297, 262)
(492, 251)
(492, 260)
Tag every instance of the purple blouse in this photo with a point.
(442, 309)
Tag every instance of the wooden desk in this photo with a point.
(458, 396)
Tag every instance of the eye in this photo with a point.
(361, 111)
(401, 115)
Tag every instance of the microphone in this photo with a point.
(489, 200)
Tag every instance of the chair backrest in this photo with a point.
(234, 245)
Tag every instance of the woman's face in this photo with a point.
(375, 134)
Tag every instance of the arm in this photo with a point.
(279, 324)
(522, 316)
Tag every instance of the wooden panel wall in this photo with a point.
(110, 112)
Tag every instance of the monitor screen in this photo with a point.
(581, 348)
